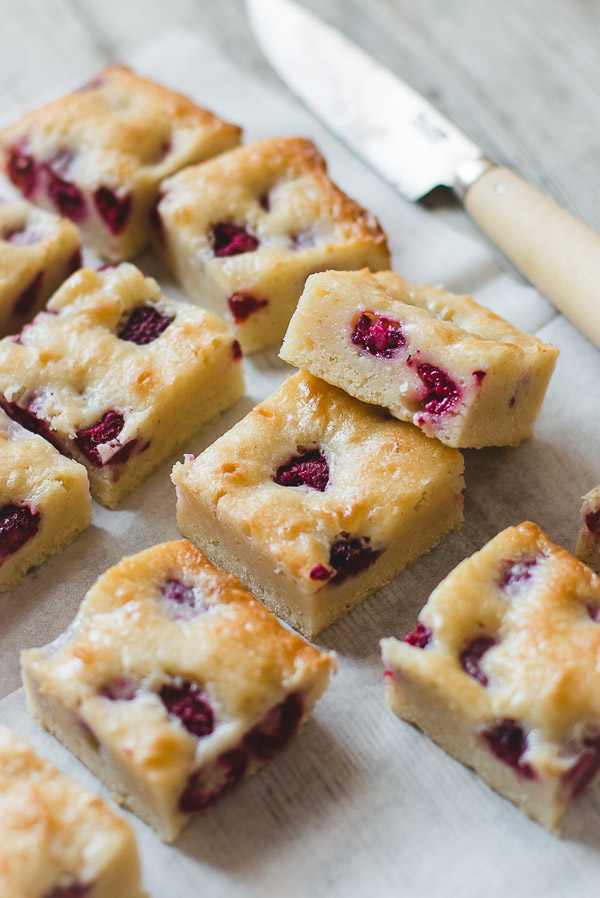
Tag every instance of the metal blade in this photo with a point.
(379, 117)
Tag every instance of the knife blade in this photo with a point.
(415, 148)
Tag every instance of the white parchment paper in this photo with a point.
(360, 804)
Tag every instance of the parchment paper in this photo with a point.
(360, 804)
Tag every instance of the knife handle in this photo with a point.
(552, 248)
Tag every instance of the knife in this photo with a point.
(401, 136)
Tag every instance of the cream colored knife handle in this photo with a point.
(552, 248)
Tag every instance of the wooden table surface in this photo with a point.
(521, 77)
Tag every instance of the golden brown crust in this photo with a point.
(363, 445)
(72, 365)
(53, 833)
(244, 656)
(100, 153)
(292, 166)
(127, 117)
(544, 670)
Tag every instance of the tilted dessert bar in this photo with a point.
(38, 251)
(58, 840)
(118, 376)
(588, 542)
(97, 156)
(452, 367)
(44, 501)
(315, 500)
(173, 683)
(502, 670)
(243, 232)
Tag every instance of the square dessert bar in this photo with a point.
(588, 542)
(97, 156)
(315, 500)
(58, 840)
(44, 501)
(502, 670)
(452, 367)
(173, 683)
(243, 232)
(38, 251)
(118, 376)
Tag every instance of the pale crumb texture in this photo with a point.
(53, 492)
(173, 683)
(294, 220)
(312, 555)
(82, 375)
(503, 673)
(57, 838)
(99, 154)
(38, 251)
(451, 367)
(588, 541)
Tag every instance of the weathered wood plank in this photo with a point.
(521, 78)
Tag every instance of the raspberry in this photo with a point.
(379, 336)
(472, 655)
(310, 468)
(277, 728)
(515, 574)
(18, 524)
(232, 766)
(242, 305)
(66, 196)
(442, 393)
(508, 743)
(28, 419)
(176, 591)
(106, 430)
(228, 239)
(351, 555)
(115, 210)
(420, 637)
(592, 522)
(186, 702)
(143, 325)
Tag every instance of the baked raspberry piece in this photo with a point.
(98, 155)
(58, 840)
(118, 376)
(588, 541)
(507, 681)
(38, 251)
(44, 501)
(242, 233)
(315, 500)
(452, 367)
(170, 712)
